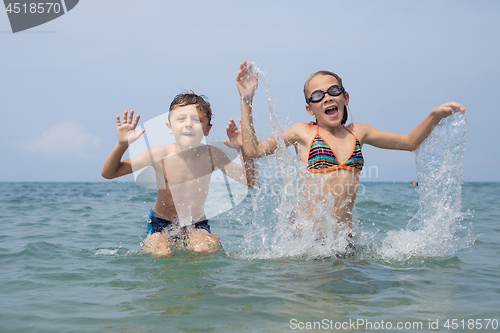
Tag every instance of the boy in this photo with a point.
(183, 170)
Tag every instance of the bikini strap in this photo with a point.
(348, 130)
(313, 123)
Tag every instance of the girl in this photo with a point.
(330, 150)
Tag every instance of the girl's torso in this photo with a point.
(323, 151)
(333, 163)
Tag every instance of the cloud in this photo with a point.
(66, 139)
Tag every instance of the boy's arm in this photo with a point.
(231, 169)
(113, 166)
(244, 174)
(412, 140)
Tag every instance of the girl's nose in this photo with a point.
(327, 98)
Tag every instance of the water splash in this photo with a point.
(106, 252)
(435, 230)
(275, 232)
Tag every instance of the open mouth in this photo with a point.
(332, 111)
(188, 134)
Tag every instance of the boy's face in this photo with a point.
(188, 125)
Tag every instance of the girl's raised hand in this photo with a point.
(446, 109)
(126, 131)
(246, 80)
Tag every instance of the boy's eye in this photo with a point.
(196, 120)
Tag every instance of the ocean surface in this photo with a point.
(69, 264)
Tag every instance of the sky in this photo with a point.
(63, 83)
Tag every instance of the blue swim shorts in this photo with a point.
(157, 224)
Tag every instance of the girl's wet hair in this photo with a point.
(190, 98)
(313, 75)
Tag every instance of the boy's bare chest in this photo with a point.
(177, 170)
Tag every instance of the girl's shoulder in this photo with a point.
(300, 132)
(353, 125)
(360, 130)
(303, 126)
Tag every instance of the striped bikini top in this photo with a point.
(322, 158)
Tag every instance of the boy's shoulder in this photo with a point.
(220, 156)
(160, 152)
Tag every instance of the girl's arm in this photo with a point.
(412, 140)
(244, 174)
(247, 82)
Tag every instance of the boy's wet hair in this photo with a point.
(190, 98)
(313, 75)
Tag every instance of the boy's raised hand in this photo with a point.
(246, 81)
(126, 131)
(234, 135)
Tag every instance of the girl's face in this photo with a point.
(330, 110)
(188, 125)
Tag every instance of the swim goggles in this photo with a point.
(318, 95)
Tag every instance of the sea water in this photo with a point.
(66, 267)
